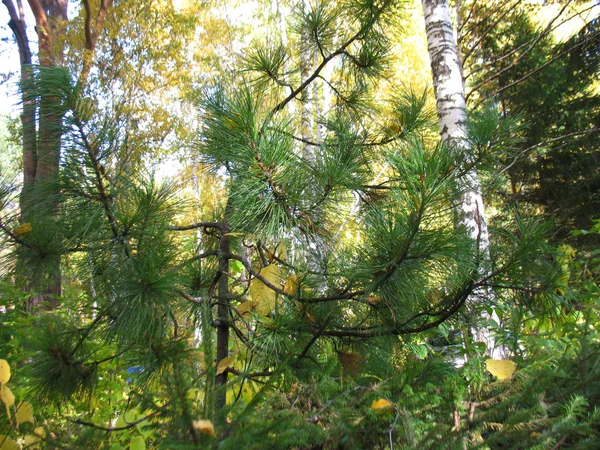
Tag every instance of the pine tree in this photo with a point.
(223, 328)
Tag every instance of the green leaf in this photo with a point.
(137, 443)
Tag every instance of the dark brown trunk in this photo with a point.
(19, 29)
(223, 318)
(50, 16)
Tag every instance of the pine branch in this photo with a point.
(360, 34)
(195, 225)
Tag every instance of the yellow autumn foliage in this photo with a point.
(25, 412)
(381, 404)
(22, 229)
(224, 364)
(4, 371)
(263, 297)
(501, 368)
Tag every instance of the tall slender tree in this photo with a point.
(452, 113)
(42, 124)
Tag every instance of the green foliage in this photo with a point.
(325, 285)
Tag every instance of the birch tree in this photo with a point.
(451, 108)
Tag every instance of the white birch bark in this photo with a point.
(451, 107)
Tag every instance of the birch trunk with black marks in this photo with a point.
(451, 107)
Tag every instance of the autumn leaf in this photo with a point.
(501, 368)
(38, 434)
(7, 443)
(263, 297)
(373, 300)
(7, 397)
(244, 308)
(381, 404)
(224, 364)
(4, 371)
(281, 251)
(25, 412)
(204, 427)
(291, 284)
(22, 229)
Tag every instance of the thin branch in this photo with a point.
(516, 49)
(357, 36)
(264, 373)
(532, 72)
(470, 51)
(549, 141)
(197, 300)
(198, 257)
(196, 225)
(110, 429)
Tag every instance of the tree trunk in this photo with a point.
(451, 107)
(223, 314)
(18, 26)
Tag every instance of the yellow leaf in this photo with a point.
(22, 229)
(204, 427)
(380, 404)
(234, 234)
(244, 308)
(25, 412)
(7, 443)
(281, 251)
(30, 440)
(501, 368)
(224, 364)
(263, 297)
(4, 371)
(291, 284)
(7, 397)
(192, 394)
